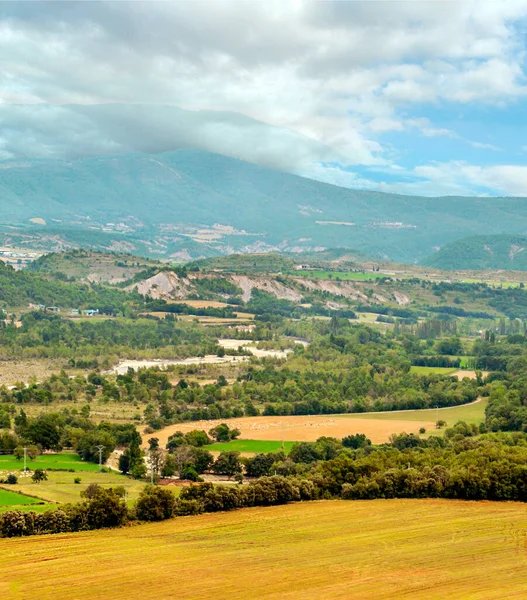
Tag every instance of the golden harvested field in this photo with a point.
(306, 428)
(462, 373)
(377, 426)
(202, 303)
(339, 550)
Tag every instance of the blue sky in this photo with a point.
(412, 97)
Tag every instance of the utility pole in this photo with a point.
(151, 466)
(100, 449)
(25, 460)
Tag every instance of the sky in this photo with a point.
(410, 97)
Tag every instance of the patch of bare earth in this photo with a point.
(462, 373)
(264, 284)
(165, 285)
(337, 288)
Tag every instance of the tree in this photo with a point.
(157, 460)
(201, 459)
(104, 507)
(153, 443)
(39, 475)
(228, 463)
(197, 438)
(155, 504)
(45, 431)
(87, 445)
(130, 458)
(124, 462)
(223, 433)
(355, 441)
(450, 346)
(189, 473)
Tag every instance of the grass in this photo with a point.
(343, 276)
(251, 446)
(60, 487)
(47, 461)
(382, 549)
(471, 413)
(429, 370)
(9, 498)
(99, 411)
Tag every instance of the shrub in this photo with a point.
(183, 508)
(11, 479)
(189, 472)
(52, 521)
(155, 504)
(14, 523)
(39, 475)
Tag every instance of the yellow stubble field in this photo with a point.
(381, 549)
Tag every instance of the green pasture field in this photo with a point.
(471, 413)
(251, 446)
(47, 461)
(343, 276)
(61, 488)
(429, 370)
(9, 498)
(38, 508)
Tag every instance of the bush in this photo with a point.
(14, 523)
(155, 504)
(189, 472)
(77, 480)
(11, 479)
(184, 508)
(39, 475)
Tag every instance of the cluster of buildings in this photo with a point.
(89, 312)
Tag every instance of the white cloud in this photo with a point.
(461, 179)
(331, 77)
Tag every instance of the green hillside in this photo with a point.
(482, 253)
(190, 204)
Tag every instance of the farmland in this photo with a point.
(398, 549)
(61, 488)
(11, 499)
(341, 275)
(377, 426)
(251, 446)
(47, 461)
(428, 370)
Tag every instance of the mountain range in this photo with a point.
(483, 252)
(191, 203)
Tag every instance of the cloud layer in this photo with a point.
(353, 92)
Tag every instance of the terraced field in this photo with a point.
(382, 549)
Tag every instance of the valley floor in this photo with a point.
(382, 549)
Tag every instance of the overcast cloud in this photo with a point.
(414, 97)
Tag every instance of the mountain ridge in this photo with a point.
(490, 252)
(161, 204)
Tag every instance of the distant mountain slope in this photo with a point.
(482, 252)
(205, 204)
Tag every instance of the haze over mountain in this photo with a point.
(201, 203)
(482, 252)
